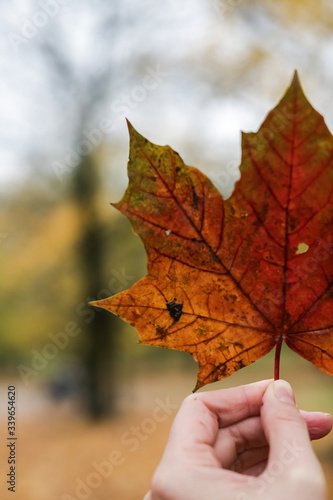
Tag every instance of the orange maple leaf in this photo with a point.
(230, 279)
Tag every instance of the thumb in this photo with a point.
(290, 452)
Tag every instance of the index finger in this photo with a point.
(201, 415)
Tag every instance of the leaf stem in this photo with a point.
(277, 359)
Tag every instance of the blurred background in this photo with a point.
(94, 408)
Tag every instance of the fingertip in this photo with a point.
(279, 391)
(319, 424)
(282, 390)
(327, 422)
(328, 416)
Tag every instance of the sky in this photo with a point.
(216, 67)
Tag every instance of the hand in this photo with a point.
(245, 443)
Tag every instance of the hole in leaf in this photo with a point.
(302, 248)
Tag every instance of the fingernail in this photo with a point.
(284, 392)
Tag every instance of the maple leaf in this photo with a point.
(230, 279)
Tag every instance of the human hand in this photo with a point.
(244, 443)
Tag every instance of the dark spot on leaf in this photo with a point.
(214, 257)
(264, 211)
(239, 344)
(175, 310)
(195, 197)
(240, 363)
(292, 223)
(160, 332)
(222, 368)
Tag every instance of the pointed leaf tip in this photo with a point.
(95, 303)
(92, 302)
(295, 87)
(296, 80)
(129, 125)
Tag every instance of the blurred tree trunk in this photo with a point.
(100, 340)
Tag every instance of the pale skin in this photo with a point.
(245, 443)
